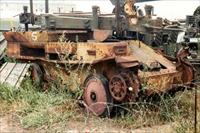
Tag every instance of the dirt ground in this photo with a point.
(9, 124)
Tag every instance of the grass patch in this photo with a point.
(57, 107)
(36, 107)
(177, 111)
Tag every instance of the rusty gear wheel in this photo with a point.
(97, 96)
(118, 87)
(132, 81)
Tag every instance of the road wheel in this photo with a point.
(96, 95)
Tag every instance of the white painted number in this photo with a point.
(34, 36)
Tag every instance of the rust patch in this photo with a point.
(101, 35)
(91, 52)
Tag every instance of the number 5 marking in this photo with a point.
(34, 36)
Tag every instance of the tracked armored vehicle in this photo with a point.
(100, 49)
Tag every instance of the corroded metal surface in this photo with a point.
(160, 75)
(96, 95)
(102, 35)
(118, 88)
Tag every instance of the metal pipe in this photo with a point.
(95, 12)
(31, 6)
(46, 6)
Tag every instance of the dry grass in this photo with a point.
(35, 108)
(51, 111)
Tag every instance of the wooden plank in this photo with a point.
(13, 73)
(6, 72)
(3, 66)
(14, 76)
(23, 75)
(3, 46)
(1, 38)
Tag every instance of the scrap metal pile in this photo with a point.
(121, 65)
(192, 40)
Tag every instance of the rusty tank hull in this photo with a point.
(118, 70)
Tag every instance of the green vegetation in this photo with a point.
(35, 108)
(178, 111)
(57, 107)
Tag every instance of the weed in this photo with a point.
(178, 109)
(38, 109)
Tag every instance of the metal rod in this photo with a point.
(195, 118)
(46, 6)
(26, 27)
(117, 15)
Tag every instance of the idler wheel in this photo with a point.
(96, 95)
(118, 87)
